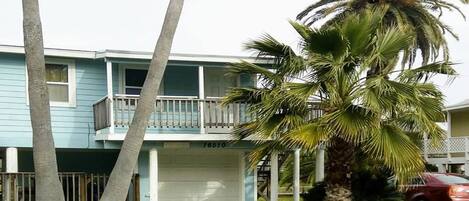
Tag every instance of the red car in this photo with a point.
(439, 187)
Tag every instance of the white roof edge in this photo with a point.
(86, 54)
(458, 106)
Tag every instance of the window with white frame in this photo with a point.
(57, 82)
(60, 78)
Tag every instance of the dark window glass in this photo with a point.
(135, 77)
(56, 73)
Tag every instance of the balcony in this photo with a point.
(450, 150)
(171, 115)
(186, 116)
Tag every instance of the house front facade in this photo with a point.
(188, 153)
(452, 154)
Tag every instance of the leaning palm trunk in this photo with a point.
(48, 187)
(339, 171)
(119, 181)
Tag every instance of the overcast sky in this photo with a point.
(206, 27)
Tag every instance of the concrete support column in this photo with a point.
(296, 176)
(11, 161)
(153, 174)
(274, 176)
(320, 164)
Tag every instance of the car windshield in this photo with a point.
(452, 179)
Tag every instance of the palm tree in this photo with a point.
(421, 17)
(48, 187)
(371, 113)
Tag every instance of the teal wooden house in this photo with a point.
(187, 152)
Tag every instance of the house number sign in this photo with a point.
(214, 144)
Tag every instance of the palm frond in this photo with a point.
(396, 150)
(351, 123)
(307, 136)
(425, 72)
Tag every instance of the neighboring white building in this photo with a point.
(453, 154)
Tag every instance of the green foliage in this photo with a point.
(368, 100)
(422, 18)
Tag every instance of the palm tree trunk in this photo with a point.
(48, 187)
(119, 181)
(338, 180)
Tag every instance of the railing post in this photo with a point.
(110, 95)
(202, 100)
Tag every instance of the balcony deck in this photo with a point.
(182, 117)
(452, 150)
(171, 115)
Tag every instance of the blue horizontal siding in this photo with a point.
(73, 126)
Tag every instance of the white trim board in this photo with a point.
(87, 54)
(168, 137)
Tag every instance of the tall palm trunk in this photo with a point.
(48, 187)
(119, 181)
(340, 155)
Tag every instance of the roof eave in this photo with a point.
(133, 55)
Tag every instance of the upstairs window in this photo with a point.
(134, 79)
(60, 79)
(57, 82)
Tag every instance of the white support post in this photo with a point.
(11, 163)
(448, 124)
(242, 176)
(11, 160)
(296, 176)
(201, 97)
(448, 135)
(255, 184)
(320, 163)
(110, 94)
(274, 176)
(153, 174)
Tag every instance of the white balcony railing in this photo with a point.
(173, 112)
(178, 112)
(449, 147)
